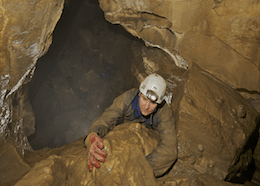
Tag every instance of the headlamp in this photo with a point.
(151, 95)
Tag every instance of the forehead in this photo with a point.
(143, 96)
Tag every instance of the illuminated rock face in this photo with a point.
(26, 34)
(214, 122)
(125, 163)
(221, 36)
(214, 125)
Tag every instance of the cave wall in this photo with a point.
(26, 34)
(222, 36)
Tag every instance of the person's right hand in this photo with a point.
(95, 152)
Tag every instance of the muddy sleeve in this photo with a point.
(165, 154)
(108, 120)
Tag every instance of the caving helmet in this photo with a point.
(153, 87)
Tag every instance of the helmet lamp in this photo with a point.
(152, 96)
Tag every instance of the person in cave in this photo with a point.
(147, 106)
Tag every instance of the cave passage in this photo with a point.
(86, 67)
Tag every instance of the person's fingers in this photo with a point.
(100, 143)
(99, 157)
(95, 149)
(94, 161)
(98, 153)
(101, 152)
(92, 138)
(96, 140)
(90, 166)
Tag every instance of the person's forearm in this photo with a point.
(99, 128)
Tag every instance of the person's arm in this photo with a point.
(102, 125)
(165, 154)
(111, 116)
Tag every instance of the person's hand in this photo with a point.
(95, 145)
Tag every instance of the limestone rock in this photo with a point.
(22, 124)
(26, 35)
(221, 36)
(125, 164)
(215, 124)
(26, 30)
(126, 146)
(47, 172)
(206, 179)
(12, 167)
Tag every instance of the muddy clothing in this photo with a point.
(126, 108)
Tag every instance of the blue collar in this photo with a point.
(136, 108)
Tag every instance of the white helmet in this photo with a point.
(153, 87)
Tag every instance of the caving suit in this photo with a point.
(126, 108)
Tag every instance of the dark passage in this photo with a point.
(86, 67)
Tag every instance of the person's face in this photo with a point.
(146, 106)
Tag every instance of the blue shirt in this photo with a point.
(136, 108)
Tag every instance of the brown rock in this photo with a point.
(214, 123)
(50, 171)
(220, 36)
(209, 180)
(209, 133)
(26, 30)
(125, 164)
(126, 147)
(12, 166)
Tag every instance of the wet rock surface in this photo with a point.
(26, 34)
(207, 52)
(212, 128)
(220, 36)
(13, 168)
(208, 143)
(125, 164)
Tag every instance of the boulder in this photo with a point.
(215, 126)
(126, 147)
(13, 168)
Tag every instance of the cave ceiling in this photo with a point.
(221, 36)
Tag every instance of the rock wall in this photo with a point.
(214, 124)
(190, 43)
(26, 30)
(221, 36)
(124, 166)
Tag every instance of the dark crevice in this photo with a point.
(248, 91)
(86, 67)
